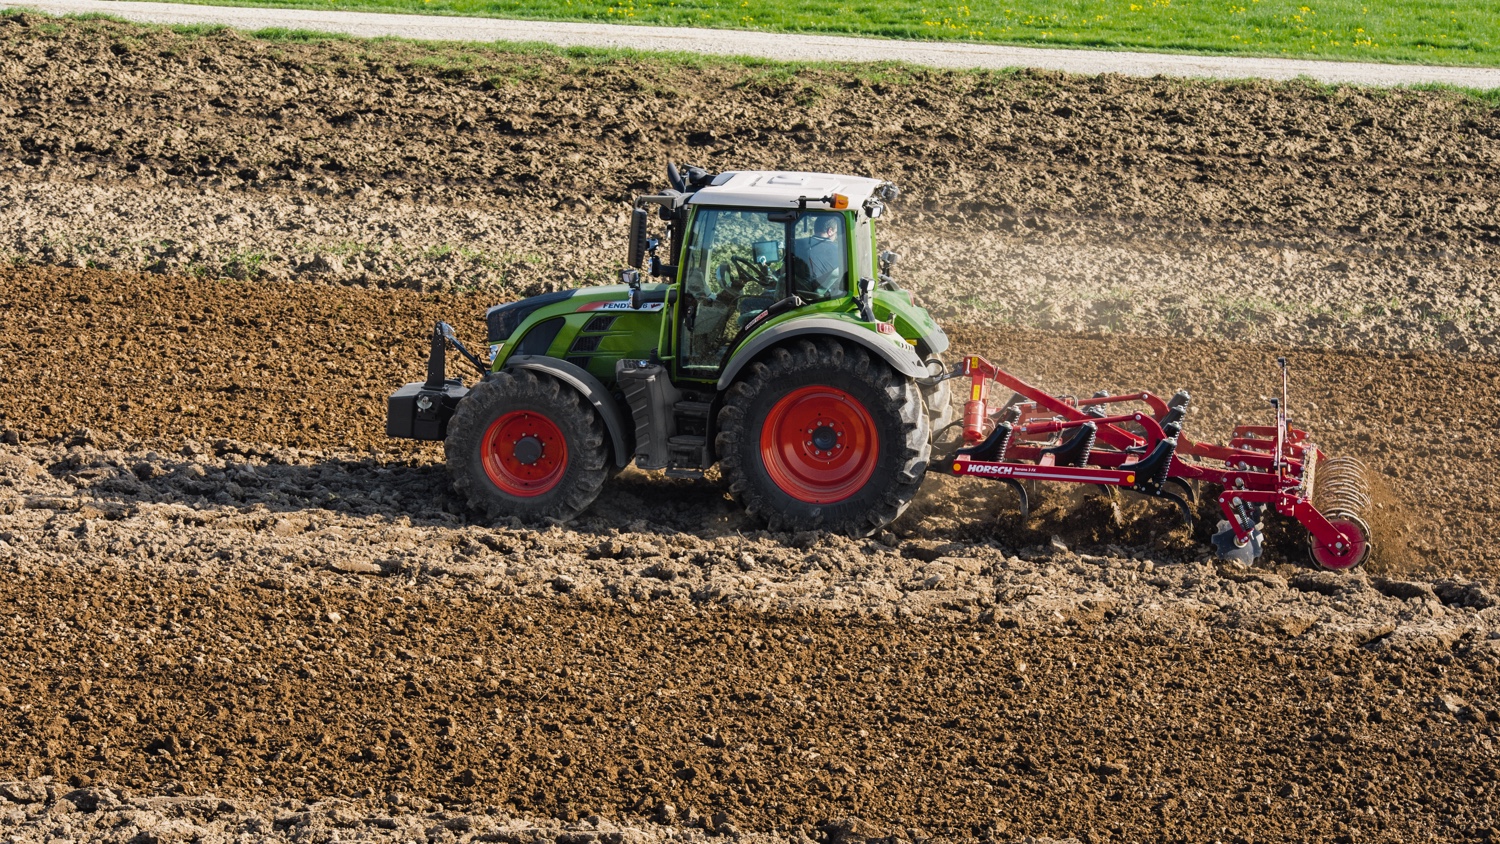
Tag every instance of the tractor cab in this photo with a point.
(748, 246)
(760, 331)
(740, 263)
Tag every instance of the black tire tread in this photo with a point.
(897, 397)
(587, 453)
(938, 400)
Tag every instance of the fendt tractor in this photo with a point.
(772, 340)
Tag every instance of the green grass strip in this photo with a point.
(1452, 32)
(500, 61)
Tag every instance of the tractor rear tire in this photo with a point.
(939, 401)
(819, 435)
(524, 444)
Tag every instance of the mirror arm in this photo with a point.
(866, 308)
(632, 278)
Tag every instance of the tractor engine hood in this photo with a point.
(503, 320)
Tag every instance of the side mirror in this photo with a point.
(887, 260)
(637, 238)
(632, 279)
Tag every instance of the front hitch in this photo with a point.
(421, 410)
(442, 335)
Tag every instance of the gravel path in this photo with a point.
(782, 46)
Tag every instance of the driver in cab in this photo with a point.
(821, 258)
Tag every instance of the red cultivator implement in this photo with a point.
(1135, 442)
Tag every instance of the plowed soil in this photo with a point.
(569, 709)
(1252, 211)
(218, 577)
(172, 661)
(147, 361)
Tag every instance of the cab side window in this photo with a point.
(820, 262)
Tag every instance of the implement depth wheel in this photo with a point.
(1356, 554)
(820, 435)
(523, 444)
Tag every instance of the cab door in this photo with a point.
(733, 269)
(737, 263)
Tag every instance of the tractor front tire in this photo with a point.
(524, 444)
(821, 435)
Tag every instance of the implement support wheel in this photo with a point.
(1357, 553)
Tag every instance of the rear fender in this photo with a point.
(912, 321)
(591, 389)
(901, 357)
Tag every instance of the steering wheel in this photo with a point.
(724, 279)
(748, 270)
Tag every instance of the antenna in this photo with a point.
(1280, 415)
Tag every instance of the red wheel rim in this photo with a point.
(524, 453)
(819, 445)
(1359, 546)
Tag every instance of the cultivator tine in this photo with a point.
(1020, 489)
(1188, 493)
(1183, 506)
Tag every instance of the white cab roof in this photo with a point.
(780, 189)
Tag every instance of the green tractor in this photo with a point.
(769, 339)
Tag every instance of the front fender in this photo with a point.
(901, 357)
(590, 387)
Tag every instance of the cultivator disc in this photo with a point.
(1110, 440)
(1228, 548)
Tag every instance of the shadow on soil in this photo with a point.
(949, 511)
(955, 512)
